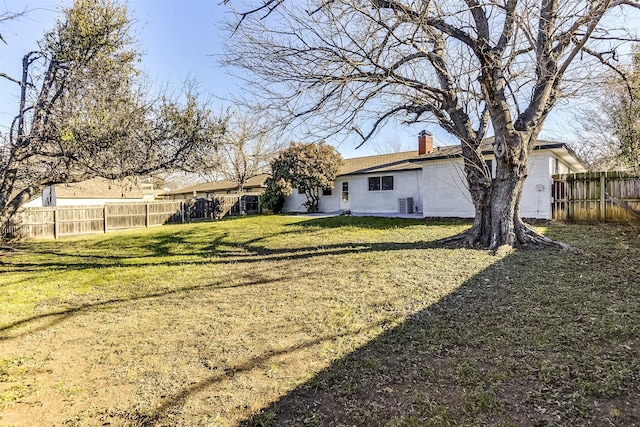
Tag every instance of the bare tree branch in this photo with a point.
(84, 112)
(472, 66)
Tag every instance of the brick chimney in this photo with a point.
(425, 142)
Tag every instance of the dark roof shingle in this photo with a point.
(379, 163)
(211, 187)
(101, 188)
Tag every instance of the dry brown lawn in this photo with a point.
(317, 321)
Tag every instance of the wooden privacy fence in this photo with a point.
(60, 221)
(596, 196)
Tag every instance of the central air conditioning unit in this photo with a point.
(406, 206)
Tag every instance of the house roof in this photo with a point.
(101, 188)
(226, 185)
(410, 160)
(380, 163)
(560, 149)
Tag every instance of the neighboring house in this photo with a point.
(236, 204)
(208, 190)
(96, 191)
(431, 181)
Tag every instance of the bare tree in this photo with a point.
(475, 66)
(608, 125)
(84, 112)
(593, 134)
(247, 148)
(10, 16)
(626, 117)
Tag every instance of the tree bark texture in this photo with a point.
(497, 220)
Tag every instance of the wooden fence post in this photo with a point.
(603, 205)
(181, 212)
(570, 198)
(105, 217)
(146, 215)
(55, 223)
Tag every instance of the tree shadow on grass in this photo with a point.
(374, 222)
(178, 399)
(240, 253)
(253, 255)
(187, 247)
(51, 318)
(539, 338)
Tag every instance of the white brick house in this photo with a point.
(431, 181)
(444, 190)
(372, 184)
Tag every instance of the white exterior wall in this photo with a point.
(405, 184)
(35, 203)
(294, 202)
(536, 192)
(439, 190)
(361, 200)
(48, 198)
(445, 192)
(92, 202)
(329, 203)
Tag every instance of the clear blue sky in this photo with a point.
(177, 37)
(180, 39)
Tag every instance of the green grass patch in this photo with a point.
(280, 320)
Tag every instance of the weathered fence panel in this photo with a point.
(596, 196)
(54, 222)
(165, 213)
(35, 223)
(125, 216)
(76, 220)
(60, 221)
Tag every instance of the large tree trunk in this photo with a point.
(497, 219)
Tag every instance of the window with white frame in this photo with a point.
(381, 183)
